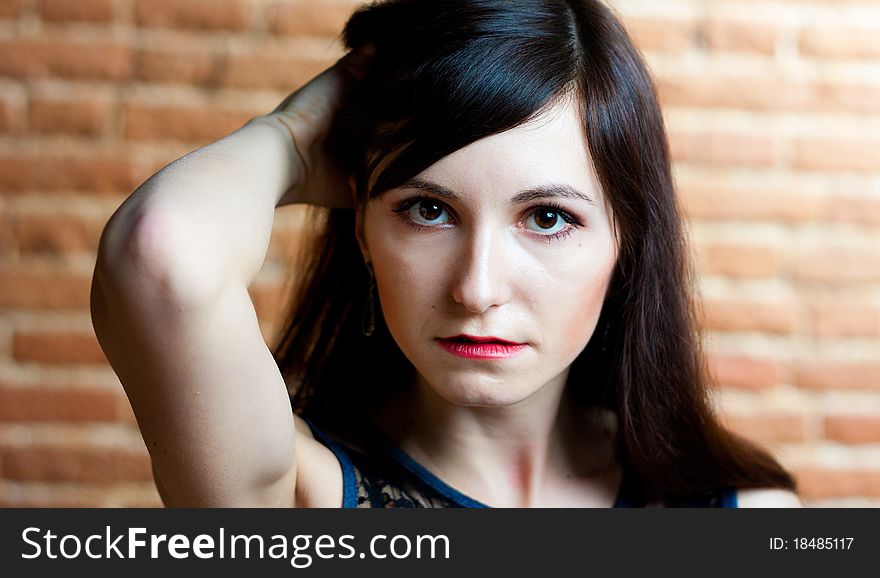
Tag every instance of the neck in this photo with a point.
(519, 455)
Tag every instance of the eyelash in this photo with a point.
(404, 206)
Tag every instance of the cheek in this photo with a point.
(585, 307)
(406, 285)
(409, 274)
(582, 322)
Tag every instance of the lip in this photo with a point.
(485, 348)
(485, 339)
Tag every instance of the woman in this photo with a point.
(503, 319)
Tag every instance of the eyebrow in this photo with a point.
(549, 191)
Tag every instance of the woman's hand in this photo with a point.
(308, 114)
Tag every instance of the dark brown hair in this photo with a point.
(447, 73)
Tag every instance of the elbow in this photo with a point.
(148, 251)
(133, 237)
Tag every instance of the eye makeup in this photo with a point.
(571, 222)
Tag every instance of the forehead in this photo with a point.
(551, 147)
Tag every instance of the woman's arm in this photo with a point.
(171, 311)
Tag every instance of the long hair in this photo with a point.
(447, 73)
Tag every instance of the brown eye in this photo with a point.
(420, 212)
(424, 211)
(549, 221)
(429, 210)
(546, 219)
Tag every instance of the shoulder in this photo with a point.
(767, 498)
(319, 474)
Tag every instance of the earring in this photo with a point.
(368, 321)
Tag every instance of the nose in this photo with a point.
(481, 272)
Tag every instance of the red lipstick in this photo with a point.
(474, 347)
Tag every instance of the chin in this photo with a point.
(471, 391)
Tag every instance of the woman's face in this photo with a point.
(508, 237)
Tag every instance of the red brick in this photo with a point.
(95, 465)
(10, 9)
(740, 315)
(140, 494)
(6, 341)
(710, 88)
(853, 429)
(77, 117)
(845, 318)
(8, 241)
(53, 501)
(838, 154)
(51, 405)
(146, 502)
(93, 174)
(848, 97)
(761, 93)
(203, 124)
(724, 35)
(720, 197)
(818, 483)
(719, 149)
(748, 372)
(180, 65)
(66, 59)
(194, 14)
(307, 18)
(735, 260)
(833, 374)
(59, 347)
(837, 264)
(6, 114)
(859, 209)
(261, 70)
(769, 428)
(8, 237)
(840, 42)
(81, 10)
(662, 34)
(26, 287)
(57, 234)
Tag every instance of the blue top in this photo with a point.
(392, 478)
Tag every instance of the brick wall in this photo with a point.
(773, 109)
